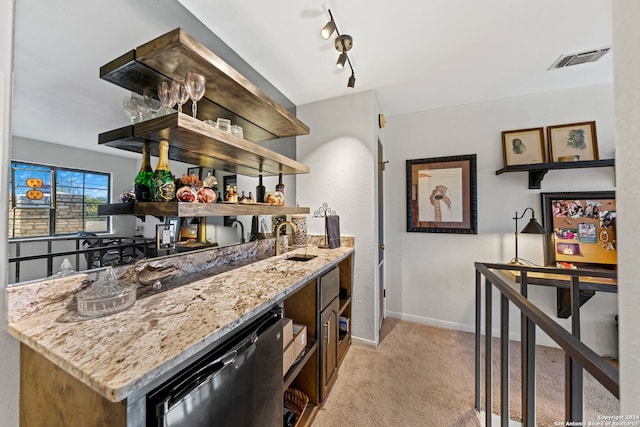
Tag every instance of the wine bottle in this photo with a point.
(260, 190)
(142, 183)
(163, 187)
(280, 186)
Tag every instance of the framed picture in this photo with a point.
(522, 147)
(441, 195)
(577, 141)
(200, 172)
(581, 228)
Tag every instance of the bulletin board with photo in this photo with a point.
(581, 228)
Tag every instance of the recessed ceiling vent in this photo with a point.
(579, 58)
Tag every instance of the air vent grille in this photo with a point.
(579, 58)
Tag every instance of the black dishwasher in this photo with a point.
(237, 384)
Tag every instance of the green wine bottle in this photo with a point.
(163, 187)
(142, 183)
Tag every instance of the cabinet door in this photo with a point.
(329, 323)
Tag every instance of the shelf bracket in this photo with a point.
(535, 178)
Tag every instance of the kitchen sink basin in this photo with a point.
(301, 258)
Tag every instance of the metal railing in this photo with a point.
(577, 355)
(98, 251)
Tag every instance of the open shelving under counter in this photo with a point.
(537, 171)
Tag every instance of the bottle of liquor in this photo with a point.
(260, 190)
(142, 183)
(228, 195)
(163, 187)
(243, 198)
(280, 186)
(235, 194)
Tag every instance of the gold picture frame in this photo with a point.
(573, 142)
(523, 146)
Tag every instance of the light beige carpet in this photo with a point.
(424, 376)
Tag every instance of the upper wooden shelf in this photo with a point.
(182, 209)
(537, 171)
(195, 142)
(228, 93)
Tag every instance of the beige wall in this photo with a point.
(626, 63)
(9, 350)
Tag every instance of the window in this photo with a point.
(40, 209)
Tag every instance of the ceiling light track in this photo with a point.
(343, 44)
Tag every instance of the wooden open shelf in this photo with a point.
(537, 171)
(312, 348)
(228, 93)
(182, 209)
(194, 141)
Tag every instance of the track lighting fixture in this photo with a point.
(341, 60)
(328, 29)
(352, 80)
(343, 44)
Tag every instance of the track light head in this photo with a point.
(352, 81)
(342, 59)
(328, 29)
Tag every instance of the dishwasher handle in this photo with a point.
(216, 366)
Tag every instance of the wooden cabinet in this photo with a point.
(344, 314)
(318, 305)
(228, 94)
(302, 307)
(329, 345)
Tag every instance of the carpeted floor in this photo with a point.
(424, 376)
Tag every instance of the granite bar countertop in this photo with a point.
(122, 354)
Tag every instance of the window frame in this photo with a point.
(54, 196)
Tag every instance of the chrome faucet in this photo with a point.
(236, 222)
(282, 224)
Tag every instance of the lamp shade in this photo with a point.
(533, 227)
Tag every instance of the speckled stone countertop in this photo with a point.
(121, 355)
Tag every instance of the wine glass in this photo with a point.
(151, 99)
(166, 96)
(195, 89)
(141, 106)
(179, 94)
(130, 108)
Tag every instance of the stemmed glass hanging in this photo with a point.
(194, 85)
(150, 98)
(141, 105)
(166, 96)
(130, 108)
(180, 94)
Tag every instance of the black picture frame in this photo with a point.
(442, 195)
(581, 228)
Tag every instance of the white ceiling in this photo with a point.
(415, 54)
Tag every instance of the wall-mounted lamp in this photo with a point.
(532, 227)
(343, 44)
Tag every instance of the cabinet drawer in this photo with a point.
(329, 287)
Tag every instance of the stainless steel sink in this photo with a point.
(301, 258)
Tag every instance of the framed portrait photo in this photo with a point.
(442, 195)
(523, 147)
(576, 141)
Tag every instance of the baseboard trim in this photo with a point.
(363, 343)
(541, 337)
(445, 324)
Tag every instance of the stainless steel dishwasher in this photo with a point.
(237, 384)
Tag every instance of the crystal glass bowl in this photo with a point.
(106, 296)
